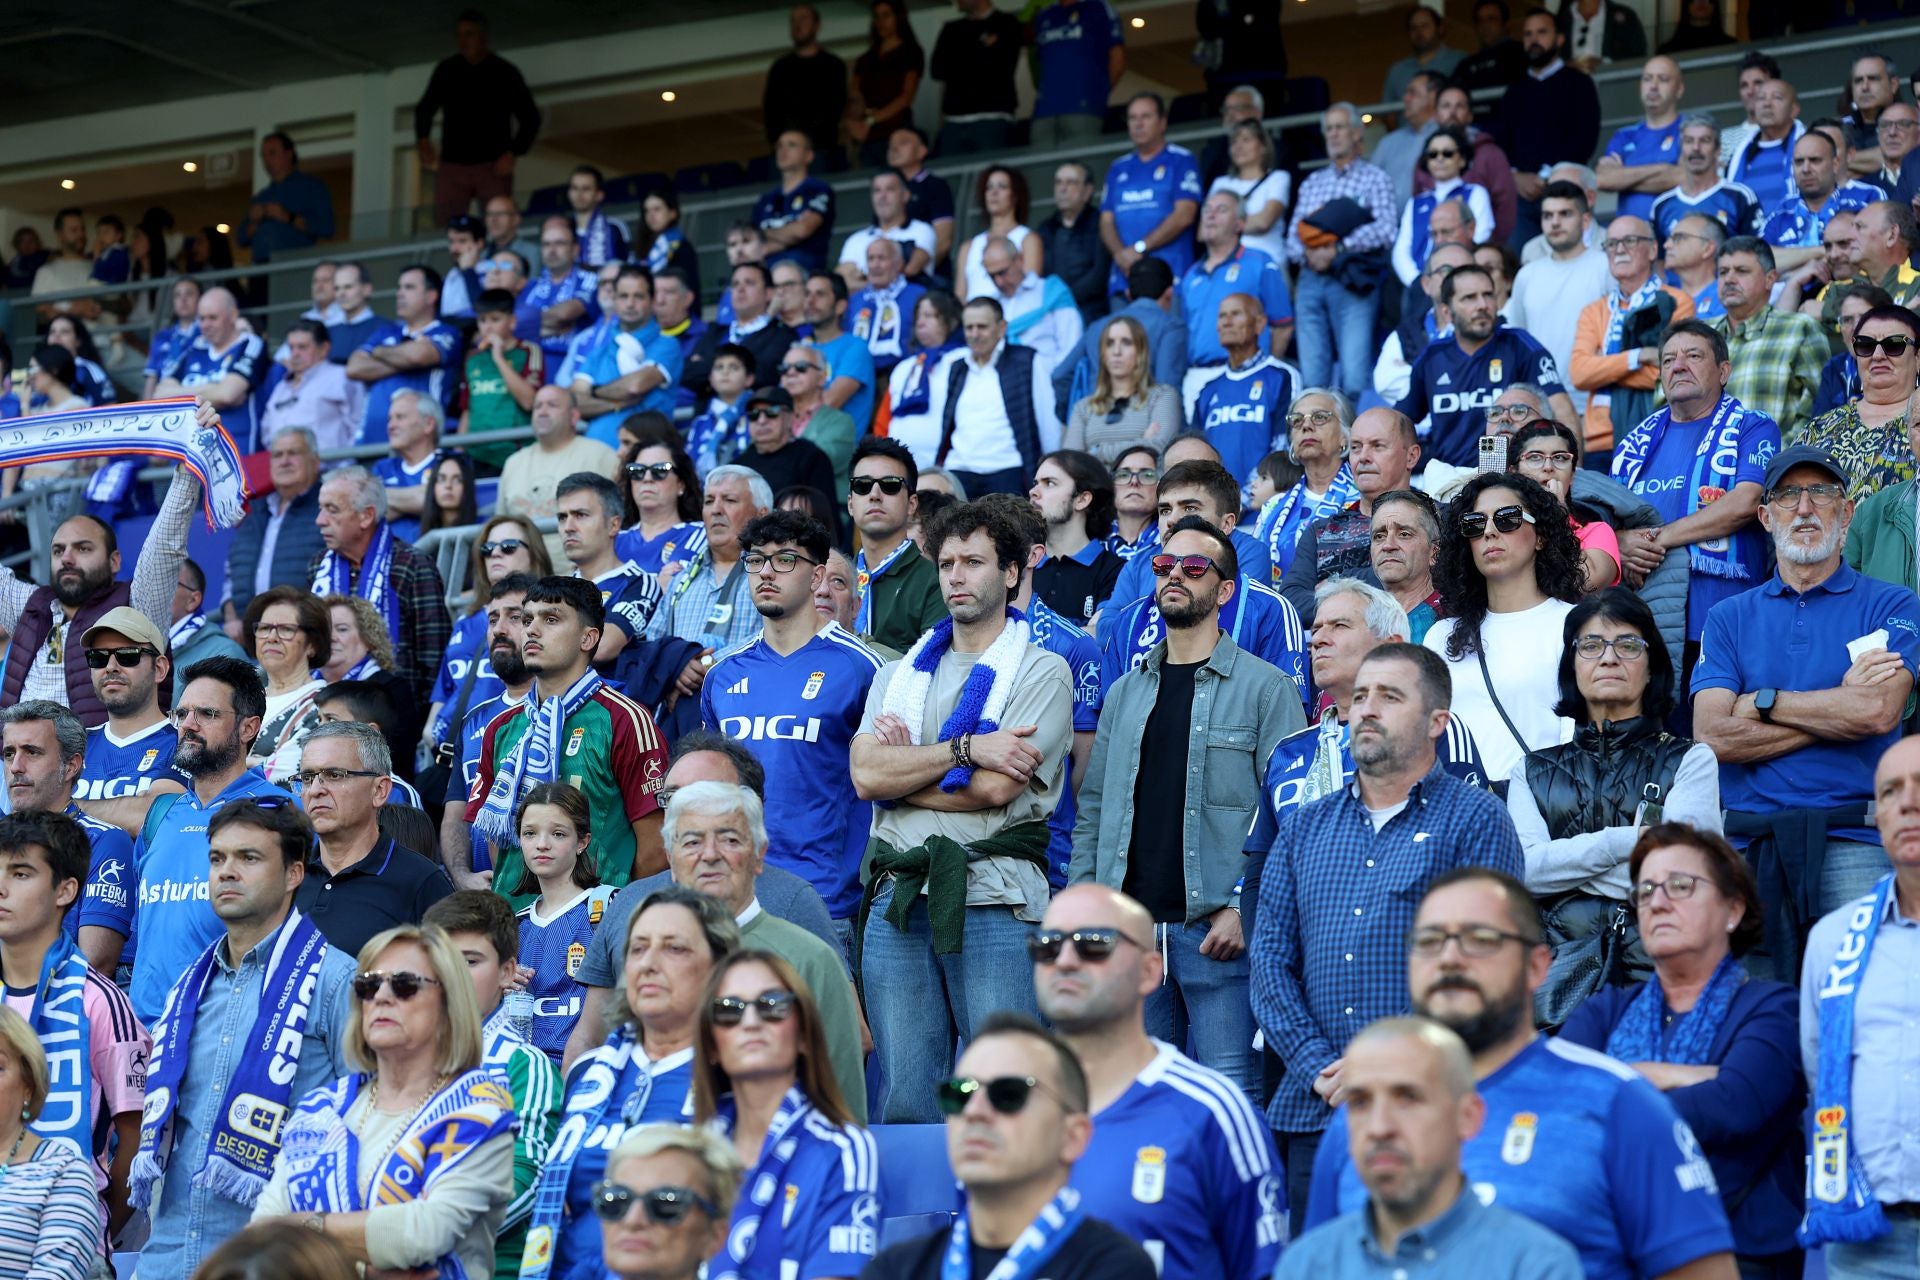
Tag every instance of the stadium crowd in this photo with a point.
(1444, 807)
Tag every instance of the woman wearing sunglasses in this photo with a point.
(664, 1206)
(662, 518)
(762, 1077)
(643, 1073)
(1723, 1047)
(1580, 805)
(1127, 406)
(1509, 570)
(289, 636)
(1445, 157)
(1868, 435)
(1546, 452)
(408, 1162)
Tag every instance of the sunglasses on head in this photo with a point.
(505, 546)
(667, 1206)
(1473, 525)
(1894, 344)
(731, 1011)
(129, 657)
(889, 485)
(649, 470)
(405, 985)
(1045, 945)
(1192, 568)
(1006, 1094)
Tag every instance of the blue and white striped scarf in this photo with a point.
(534, 759)
(865, 578)
(334, 577)
(1716, 463)
(1619, 307)
(753, 1227)
(159, 429)
(1059, 1218)
(1286, 516)
(59, 1021)
(983, 698)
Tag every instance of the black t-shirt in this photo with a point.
(1074, 590)
(796, 463)
(1093, 1252)
(1156, 869)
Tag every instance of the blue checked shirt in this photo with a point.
(1329, 949)
(1368, 185)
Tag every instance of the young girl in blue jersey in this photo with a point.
(556, 927)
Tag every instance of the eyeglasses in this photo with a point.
(500, 264)
(765, 415)
(405, 985)
(1678, 887)
(731, 1011)
(1006, 1094)
(1535, 460)
(649, 470)
(1314, 417)
(666, 1206)
(1045, 945)
(1143, 477)
(1894, 344)
(128, 657)
(1477, 941)
(801, 367)
(1473, 525)
(1518, 414)
(889, 485)
(1625, 648)
(278, 630)
(504, 547)
(1624, 242)
(1888, 125)
(1787, 496)
(1192, 568)
(332, 777)
(782, 561)
(1446, 153)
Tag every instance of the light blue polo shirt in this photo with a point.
(1247, 271)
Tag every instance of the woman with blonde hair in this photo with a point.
(408, 1162)
(361, 646)
(1127, 406)
(51, 1223)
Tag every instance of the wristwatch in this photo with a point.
(1763, 703)
(1139, 246)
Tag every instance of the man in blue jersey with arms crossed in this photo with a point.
(1152, 197)
(794, 694)
(1180, 1160)
(1581, 1144)
(418, 352)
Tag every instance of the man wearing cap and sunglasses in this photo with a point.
(1800, 688)
(129, 758)
(785, 460)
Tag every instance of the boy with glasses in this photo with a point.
(898, 588)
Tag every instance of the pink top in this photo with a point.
(119, 1058)
(1600, 534)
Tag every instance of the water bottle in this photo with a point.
(520, 1013)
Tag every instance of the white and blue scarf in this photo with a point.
(1637, 1036)
(322, 1154)
(916, 393)
(1716, 462)
(334, 577)
(1619, 307)
(1841, 1206)
(184, 630)
(159, 429)
(752, 1226)
(660, 252)
(863, 623)
(361, 670)
(59, 1021)
(1286, 516)
(884, 329)
(1054, 296)
(1059, 1218)
(535, 758)
(242, 1146)
(983, 698)
(1149, 537)
(719, 435)
(601, 242)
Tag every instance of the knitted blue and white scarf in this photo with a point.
(886, 328)
(1636, 1037)
(752, 1226)
(1286, 516)
(1059, 1218)
(1716, 462)
(1619, 307)
(534, 759)
(916, 392)
(334, 577)
(1841, 1206)
(59, 1020)
(155, 429)
(983, 698)
(244, 1142)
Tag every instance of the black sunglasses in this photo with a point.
(1192, 568)
(1473, 525)
(405, 985)
(1006, 1094)
(731, 1011)
(128, 657)
(803, 367)
(1894, 344)
(1045, 945)
(1451, 153)
(649, 470)
(667, 1206)
(765, 415)
(506, 546)
(889, 485)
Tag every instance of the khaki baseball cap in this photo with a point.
(132, 624)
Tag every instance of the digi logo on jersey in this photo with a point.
(110, 788)
(1464, 401)
(1222, 414)
(771, 728)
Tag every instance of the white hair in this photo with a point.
(757, 487)
(715, 800)
(1384, 615)
(1259, 99)
(1342, 410)
(426, 406)
(1353, 113)
(363, 490)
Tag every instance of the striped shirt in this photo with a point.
(117, 1059)
(51, 1222)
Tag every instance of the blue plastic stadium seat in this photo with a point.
(915, 1183)
(699, 178)
(760, 171)
(633, 188)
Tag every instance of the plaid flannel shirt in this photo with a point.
(1778, 357)
(1367, 184)
(425, 625)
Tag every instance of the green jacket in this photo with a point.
(906, 600)
(833, 432)
(1880, 541)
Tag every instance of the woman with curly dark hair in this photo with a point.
(1509, 570)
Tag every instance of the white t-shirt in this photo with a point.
(1547, 298)
(915, 235)
(1523, 650)
(973, 274)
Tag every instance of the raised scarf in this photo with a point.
(863, 622)
(983, 698)
(244, 1141)
(1716, 462)
(159, 429)
(322, 1154)
(916, 393)
(751, 1226)
(1286, 516)
(1636, 1037)
(1058, 1220)
(1841, 1206)
(59, 1020)
(535, 758)
(660, 252)
(334, 577)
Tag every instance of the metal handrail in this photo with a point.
(451, 547)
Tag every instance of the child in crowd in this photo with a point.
(502, 374)
(719, 436)
(555, 928)
(111, 262)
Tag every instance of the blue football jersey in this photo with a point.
(116, 768)
(824, 1214)
(1585, 1147)
(1730, 204)
(197, 366)
(630, 595)
(1077, 649)
(1182, 1163)
(466, 646)
(394, 472)
(552, 951)
(1451, 390)
(436, 380)
(1259, 619)
(680, 542)
(107, 898)
(1794, 226)
(1141, 194)
(1636, 145)
(798, 715)
(1072, 43)
(1243, 413)
(778, 208)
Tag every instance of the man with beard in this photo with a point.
(1800, 689)
(1208, 1204)
(1579, 1143)
(1547, 115)
(1332, 899)
(1170, 748)
(503, 657)
(217, 713)
(130, 757)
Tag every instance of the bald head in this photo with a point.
(1097, 981)
(219, 316)
(1896, 793)
(1003, 264)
